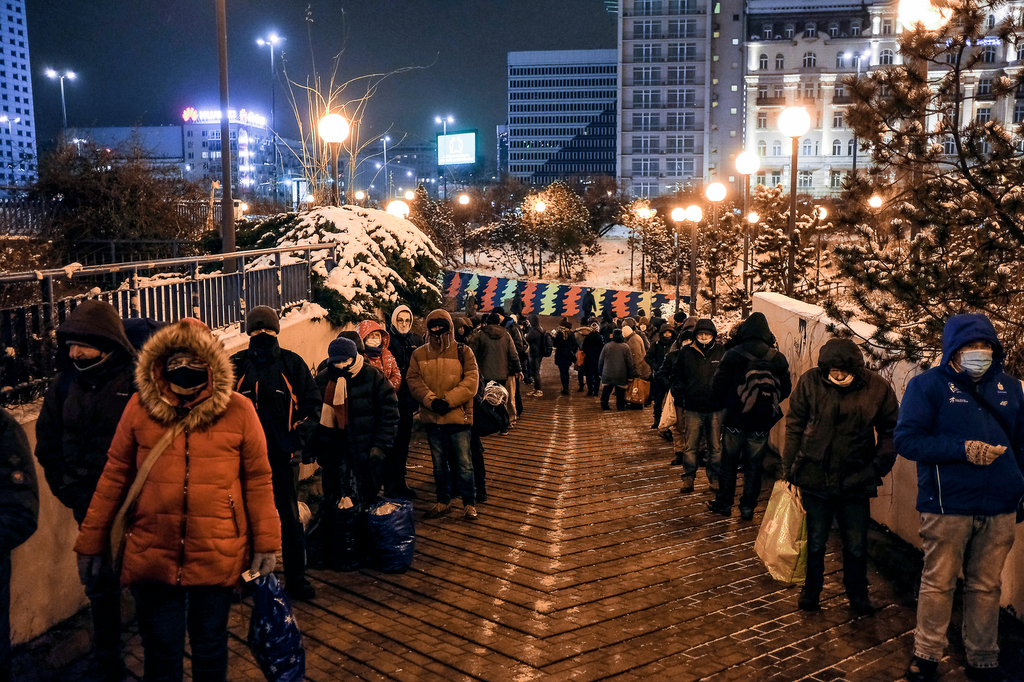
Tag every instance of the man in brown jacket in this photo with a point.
(443, 378)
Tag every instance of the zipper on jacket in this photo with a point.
(938, 485)
(184, 516)
(234, 515)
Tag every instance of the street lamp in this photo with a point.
(464, 201)
(360, 195)
(793, 123)
(334, 130)
(272, 40)
(70, 75)
(747, 164)
(875, 202)
(444, 121)
(714, 192)
(860, 59)
(387, 178)
(538, 208)
(399, 209)
(678, 215)
(694, 215)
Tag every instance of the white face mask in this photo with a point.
(372, 341)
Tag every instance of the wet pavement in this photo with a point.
(586, 563)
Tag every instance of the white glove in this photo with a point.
(263, 563)
(981, 453)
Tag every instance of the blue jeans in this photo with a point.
(710, 424)
(735, 444)
(853, 514)
(164, 612)
(450, 442)
(985, 541)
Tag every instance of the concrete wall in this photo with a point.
(801, 330)
(44, 584)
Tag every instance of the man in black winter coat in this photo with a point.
(358, 423)
(699, 408)
(403, 343)
(281, 387)
(656, 354)
(753, 348)
(76, 425)
(19, 512)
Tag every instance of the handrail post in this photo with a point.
(280, 282)
(133, 295)
(193, 273)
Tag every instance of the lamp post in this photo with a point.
(820, 214)
(678, 216)
(645, 215)
(714, 192)
(333, 130)
(387, 178)
(464, 201)
(747, 164)
(70, 75)
(444, 121)
(860, 58)
(694, 214)
(793, 123)
(538, 208)
(272, 40)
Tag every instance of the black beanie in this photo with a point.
(262, 317)
(617, 336)
(353, 336)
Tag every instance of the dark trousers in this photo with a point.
(396, 460)
(658, 393)
(450, 445)
(563, 373)
(593, 379)
(535, 360)
(164, 612)
(620, 396)
(5, 618)
(476, 455)
(853, 514)
(750, 447)
(285, 478)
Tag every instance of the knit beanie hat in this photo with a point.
(630, 322)
(564, 322)
(492, 318)
(679, 317)
(340, 350)
(262, 317)
(617, 336)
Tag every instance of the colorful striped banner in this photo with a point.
(548, 298)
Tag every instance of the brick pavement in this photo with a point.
(586, 563)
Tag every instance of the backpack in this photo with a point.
(548, 346)
(760, 386)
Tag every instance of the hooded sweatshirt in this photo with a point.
(436, 371)
(381, 358)
(496, 353)
(939, 414)
(753, 337)
(209, 498)
(694, 370)
(81, 409)
(839, 438)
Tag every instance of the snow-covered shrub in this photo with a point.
(382, 260)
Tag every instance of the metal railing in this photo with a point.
(179, 289)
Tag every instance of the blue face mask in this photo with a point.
(975, 362)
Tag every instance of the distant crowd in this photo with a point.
(180, 462)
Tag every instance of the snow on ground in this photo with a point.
(609, 269)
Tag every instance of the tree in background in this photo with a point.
(435, 219)
(564, 229)
(603, 199)
(648, 236)
(949, 237)
(720, 249)
(771, 246)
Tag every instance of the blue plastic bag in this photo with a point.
(274, 635)
(393, 535)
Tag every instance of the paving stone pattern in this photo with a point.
(586, 563)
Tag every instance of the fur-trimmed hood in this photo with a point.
(155, 394)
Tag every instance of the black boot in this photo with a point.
(860, 603)
(808, 600)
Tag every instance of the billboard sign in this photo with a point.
(456, 148)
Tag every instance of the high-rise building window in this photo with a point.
(682, 75)
(682, 52)
(646, 52)
(646, 30)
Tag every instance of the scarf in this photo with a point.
(334, 414)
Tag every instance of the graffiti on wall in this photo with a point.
(548, 298)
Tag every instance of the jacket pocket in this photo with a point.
(234, 516)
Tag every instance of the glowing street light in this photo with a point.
(444, 121)
(875, 202)
(714, 192)
(270, 41)
(360, 195)
(334, 130)
(694, 214)
(747, 164)
(793, 123)
(70, 75)
(399, 209)
(410, 195)
(464, 199)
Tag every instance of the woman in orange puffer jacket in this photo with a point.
(375, 343)
(206, 502)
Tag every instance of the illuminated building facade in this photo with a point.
(18, 146)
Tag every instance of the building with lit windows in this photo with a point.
(561, 115)
(18, 146)
(681, 108)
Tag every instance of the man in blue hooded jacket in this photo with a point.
(963, 423)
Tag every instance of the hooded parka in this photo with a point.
(753, 336)
(208, 500)
(694, 370)
(382, 360)
(436, 371)
(839, 438)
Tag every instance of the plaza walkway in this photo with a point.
(586, 563)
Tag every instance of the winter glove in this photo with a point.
(981, 453)
(89, 566)
(263, 563)
(377, 455)
(440, 406)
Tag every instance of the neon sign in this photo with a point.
(242, 116)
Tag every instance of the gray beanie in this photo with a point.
(262, 317)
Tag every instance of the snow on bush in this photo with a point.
(382, 260)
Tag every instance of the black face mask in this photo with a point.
(88, 364)
(187, 378)
(262, 341)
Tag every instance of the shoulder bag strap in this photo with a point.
(117, 529)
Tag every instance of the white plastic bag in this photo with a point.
(782, 541)
(668, 413)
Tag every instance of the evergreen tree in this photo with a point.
(720, 250)
(435, 219)
(771, 246)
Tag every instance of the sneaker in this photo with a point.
(538, 394)
(687, 485)
(921, 670)
(984, 674)
(470, 512)
(439, 509)
(300, 591)
(808, 600)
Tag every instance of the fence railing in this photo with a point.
(276, 277)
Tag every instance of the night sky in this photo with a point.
(140, 61)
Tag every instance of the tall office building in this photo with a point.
(17, 121)
(561, 114)
(680, 94)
